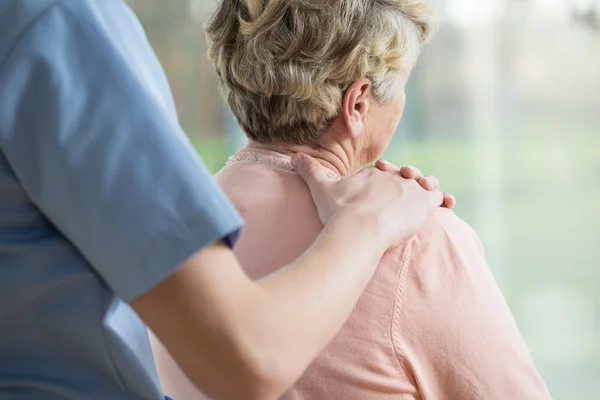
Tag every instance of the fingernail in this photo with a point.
(297, 160)
(386, 162)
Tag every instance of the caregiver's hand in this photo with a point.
(397, 206)
(428, 182)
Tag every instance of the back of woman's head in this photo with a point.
(284, 65)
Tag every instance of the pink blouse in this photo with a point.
(431, 324)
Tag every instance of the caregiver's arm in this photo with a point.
(236, 339)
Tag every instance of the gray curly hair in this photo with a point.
(285, 65)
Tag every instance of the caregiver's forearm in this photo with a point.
(237, 339)
(310, 299)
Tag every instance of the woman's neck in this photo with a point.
(330, 153)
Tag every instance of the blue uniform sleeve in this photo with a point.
(89, 130)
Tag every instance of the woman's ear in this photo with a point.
(356, 105)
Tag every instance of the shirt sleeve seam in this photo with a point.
(398, 297)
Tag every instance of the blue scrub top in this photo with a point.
(101, 198)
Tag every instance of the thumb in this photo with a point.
(311, 172)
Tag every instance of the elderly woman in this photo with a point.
(326, 78)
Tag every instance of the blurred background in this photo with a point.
(505, 109)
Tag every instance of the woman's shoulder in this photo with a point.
(443, 256)
(445, 220)
(443, 233)
(260, 184)
(452, 328)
